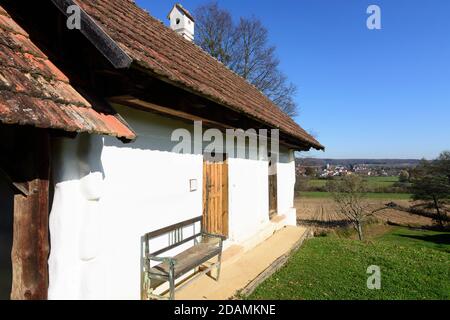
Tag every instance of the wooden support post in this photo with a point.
(30, 240)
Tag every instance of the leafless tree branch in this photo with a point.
(244, 49)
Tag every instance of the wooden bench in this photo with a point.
(206, 247)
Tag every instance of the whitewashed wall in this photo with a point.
(285, 181)
(248, 197)
(147, 189)
(142, 186)
(109, 194)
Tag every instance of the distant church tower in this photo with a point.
(182, 22)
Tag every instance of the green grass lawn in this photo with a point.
(418, 239)
(414, 265)
(382, 196)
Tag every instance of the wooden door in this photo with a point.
(215, 197)
(273, 203)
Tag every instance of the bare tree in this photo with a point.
(253, 59)
(244, 49)
(349, 195)
(215, 32)
(282, 94)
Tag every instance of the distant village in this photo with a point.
(321, 168)
(334, 171)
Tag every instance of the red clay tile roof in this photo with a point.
(164, 53)
(35, 92)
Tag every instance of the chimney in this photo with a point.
(182, 22)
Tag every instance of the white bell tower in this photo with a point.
(182, 22)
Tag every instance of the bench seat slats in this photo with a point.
(187, 260)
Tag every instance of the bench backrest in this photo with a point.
(175, 233)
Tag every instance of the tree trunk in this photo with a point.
(438, 210)
(359, 229)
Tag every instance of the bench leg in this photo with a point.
(219, 266)
(172, 284)
(148, 289)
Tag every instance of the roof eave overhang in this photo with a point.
(290, 141)
(111, 50)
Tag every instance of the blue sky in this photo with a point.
(364, 94)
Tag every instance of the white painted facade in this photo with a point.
(109, 194)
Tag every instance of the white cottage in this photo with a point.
(110, 119)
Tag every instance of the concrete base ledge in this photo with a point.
(277, 223)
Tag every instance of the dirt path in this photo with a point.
(321, 213)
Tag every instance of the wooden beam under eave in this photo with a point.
(31, 237)
(147, 106)
(131, 101)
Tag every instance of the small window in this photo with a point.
(178, 21)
